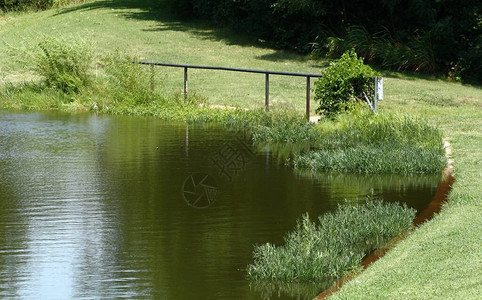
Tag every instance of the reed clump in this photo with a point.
(362, 142)
(332, 247)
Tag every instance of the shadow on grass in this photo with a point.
(414, 76)
(201, 29)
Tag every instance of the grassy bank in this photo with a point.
(442, 259)
(359, 141)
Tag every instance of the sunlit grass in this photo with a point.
(154, 35)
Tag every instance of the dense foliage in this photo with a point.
(435, 36)
(8, 5)
(64, 65)
(344, 83)
(313, 252)
(20, 5)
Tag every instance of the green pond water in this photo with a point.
(119, 207)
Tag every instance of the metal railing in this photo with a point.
(267, 73)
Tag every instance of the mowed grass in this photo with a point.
(442, 259)
(153, 35)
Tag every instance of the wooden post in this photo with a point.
(266, 96)
(185, 83)
(308, 94)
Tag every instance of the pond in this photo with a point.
(121, 207)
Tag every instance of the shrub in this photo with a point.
(129, 82)
(24, 5)
(343, 84)
(63, 64)
(333, 247)
(9, 5)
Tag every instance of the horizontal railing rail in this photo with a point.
(267, 73)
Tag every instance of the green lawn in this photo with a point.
(441, 259)
(127, 26)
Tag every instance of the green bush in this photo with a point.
(25, 5)
(343, 84)
(129, 82)
(63, 64)
(10, 5)
(333, 247)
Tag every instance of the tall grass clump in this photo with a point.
(381, 159)
(63, 64)
(128, 82)
(284, 127)
(27, 5)
(364, 127)
(334, 246)
(362, 142)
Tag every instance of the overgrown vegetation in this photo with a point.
(418, 35)
(22, 5)
(345, 83)
(9, 5)
(334, 246)
(362, 142)
(128, 82)
(63, 65)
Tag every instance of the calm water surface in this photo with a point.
(97, 207)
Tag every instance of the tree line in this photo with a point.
(430, 36)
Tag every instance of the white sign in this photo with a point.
(379, 88)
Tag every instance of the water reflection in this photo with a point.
(91, 207)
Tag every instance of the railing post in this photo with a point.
(266, 95)
(308, 94)
(185, 83)
(152, 83)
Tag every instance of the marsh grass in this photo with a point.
(382, 158)
(332, 247)
(62, 64)
(362, 142)
(363, 127)
(286, 127)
